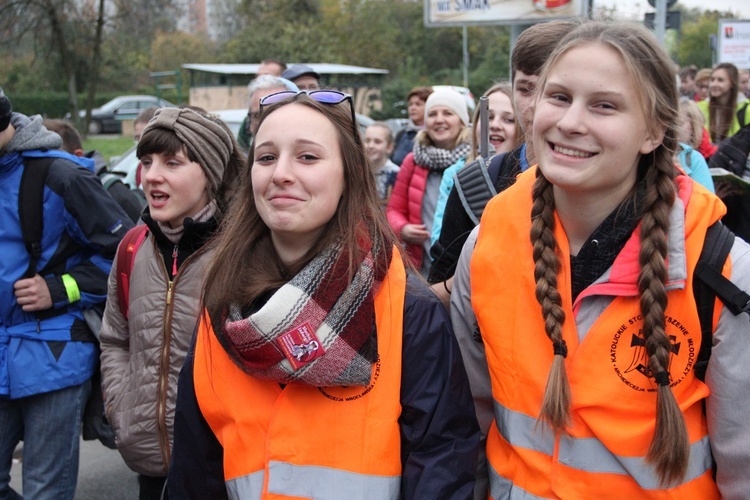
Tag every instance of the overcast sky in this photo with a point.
(638, 7)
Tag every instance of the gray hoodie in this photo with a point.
(31, 134)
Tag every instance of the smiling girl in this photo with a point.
(581, 281)
(189, 164)
(724, 116)
(322, 367)
(445, 140)
(503, 136)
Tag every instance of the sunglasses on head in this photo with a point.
(321, 96)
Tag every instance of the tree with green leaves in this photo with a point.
(694, 45)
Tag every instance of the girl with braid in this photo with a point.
(580, 280)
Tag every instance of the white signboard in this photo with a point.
(438, 13)
(734, 42)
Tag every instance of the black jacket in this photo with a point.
(457, 224)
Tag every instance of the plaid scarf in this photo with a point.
(438, 159)
(318, 328)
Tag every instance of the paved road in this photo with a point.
(102, 475)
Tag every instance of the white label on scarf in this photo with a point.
(300, 346)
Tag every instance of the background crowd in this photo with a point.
(315, 310)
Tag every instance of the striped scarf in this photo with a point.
(318, 328)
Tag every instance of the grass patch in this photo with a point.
(115, 145)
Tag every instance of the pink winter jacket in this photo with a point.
(405, 204)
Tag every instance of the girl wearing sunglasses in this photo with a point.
(322, 366)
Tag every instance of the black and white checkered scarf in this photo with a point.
(438, 159)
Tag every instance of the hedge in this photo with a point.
(55, 104)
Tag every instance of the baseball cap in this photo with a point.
(298, 70)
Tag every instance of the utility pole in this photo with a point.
(660, 20)
(466, 56)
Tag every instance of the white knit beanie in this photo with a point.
(450, 99)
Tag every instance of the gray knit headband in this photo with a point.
(208, 141)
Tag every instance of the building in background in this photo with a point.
(215, 18)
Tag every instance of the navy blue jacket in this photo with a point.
(439, 430)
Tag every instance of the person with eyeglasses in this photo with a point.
(257, 89)
(701, 84)
(322, 366)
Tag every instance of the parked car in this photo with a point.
(109, 117)
(233, 118)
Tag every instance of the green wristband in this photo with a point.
(71, 288)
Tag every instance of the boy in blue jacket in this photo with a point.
(47, 352)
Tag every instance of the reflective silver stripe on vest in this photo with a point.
(524, 429)
(247, 487)
(590, 454)
(502, 488)
(324, 483)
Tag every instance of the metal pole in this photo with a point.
(484, 121)
(660, 20)
(466, 57)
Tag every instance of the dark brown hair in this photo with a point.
(658, 97)
(721, 114)
(145, 115)
(688, 72)
(246, 265)
(70, 136)
(422, 92)
(535, 44)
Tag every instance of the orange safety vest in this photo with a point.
(613, 408)
(303, 441)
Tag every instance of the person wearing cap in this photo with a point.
(445, 140)
(303, 76)
(190, 165)
(257, 89)
(48, 353)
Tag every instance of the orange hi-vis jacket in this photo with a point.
(613, 408)
(303, 441)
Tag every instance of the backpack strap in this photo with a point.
(475, 187)
(125, 259)
(110, 178)
(31, 207)
(709, 283)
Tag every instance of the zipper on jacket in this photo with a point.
(170, 288)
(161, 408)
